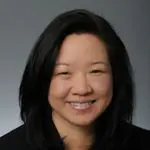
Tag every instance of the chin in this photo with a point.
(82, 122)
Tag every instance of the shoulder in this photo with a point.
(16, 139)
(134, 137)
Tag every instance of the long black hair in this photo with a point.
(33, 94)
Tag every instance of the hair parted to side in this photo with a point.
(33, 94)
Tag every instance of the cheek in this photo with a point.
(104, 90)
(58, 89)
(103, 85)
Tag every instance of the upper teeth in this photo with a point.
(81, 102)
(77, 102)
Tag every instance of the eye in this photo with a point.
(64, 73)
(96, 71)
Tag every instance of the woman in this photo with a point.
(77, 90)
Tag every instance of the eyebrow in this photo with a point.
(99, 62)
(57, 64)
(93, 63)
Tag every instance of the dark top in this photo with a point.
(139, 139)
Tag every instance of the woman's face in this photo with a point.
(81, 86)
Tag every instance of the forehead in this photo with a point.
(82, 47)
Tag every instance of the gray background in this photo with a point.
(21, 22)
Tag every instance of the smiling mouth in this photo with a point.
(81, 105)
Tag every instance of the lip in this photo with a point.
(81, 111)
(84, 101)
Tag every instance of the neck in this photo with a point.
(75, 137)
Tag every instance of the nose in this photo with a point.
(81, 86)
